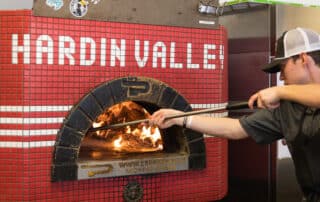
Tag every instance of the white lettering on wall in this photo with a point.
(141, 61)
(189, 58)
(112, 52)
(119, 53)
(207, 56)
(40, 49)
(84, 41)
(66, 52)
(103, 52)
(173, 64)
(159, 54)
(25, 49)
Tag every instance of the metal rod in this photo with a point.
(240, 105)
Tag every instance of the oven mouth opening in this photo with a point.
(132, 140)
(134, 149)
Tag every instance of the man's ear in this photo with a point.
(306, 59)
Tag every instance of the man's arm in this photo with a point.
(220, 127)
(308, 94)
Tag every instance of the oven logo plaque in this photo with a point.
(104, 168)
(136, 88)
(133, 192)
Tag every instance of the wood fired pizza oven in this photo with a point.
(57, 84)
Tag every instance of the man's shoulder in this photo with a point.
(291, 106)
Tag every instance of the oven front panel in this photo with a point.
(49, 64)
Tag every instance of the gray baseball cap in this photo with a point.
(293, 42)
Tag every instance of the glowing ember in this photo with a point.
(117, 143)
(129, 139)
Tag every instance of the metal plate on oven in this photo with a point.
(119, 167)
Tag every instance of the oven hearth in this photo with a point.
(132, 138)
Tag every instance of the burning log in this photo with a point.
(136, 138)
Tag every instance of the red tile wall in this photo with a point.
(35, 97)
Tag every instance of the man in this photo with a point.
(289, 111)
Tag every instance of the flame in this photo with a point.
(130, 139)
(117, 142)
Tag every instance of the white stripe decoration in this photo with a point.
(34, 108)
(55, 120)
(27, 145)
(9, 120)
(204, 106)
(43, 132)
(67, 108)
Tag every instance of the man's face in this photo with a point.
(294, 72)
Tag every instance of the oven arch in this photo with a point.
(81, 116)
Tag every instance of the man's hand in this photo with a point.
(159, 118)
(267, 98)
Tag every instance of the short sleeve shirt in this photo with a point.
(300, 126)
(266, 126)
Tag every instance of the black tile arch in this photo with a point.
(90, 106)
(143, 90)
(68, 137)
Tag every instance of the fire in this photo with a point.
(136, 138)
(117, 143)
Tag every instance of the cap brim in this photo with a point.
(273, 67)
